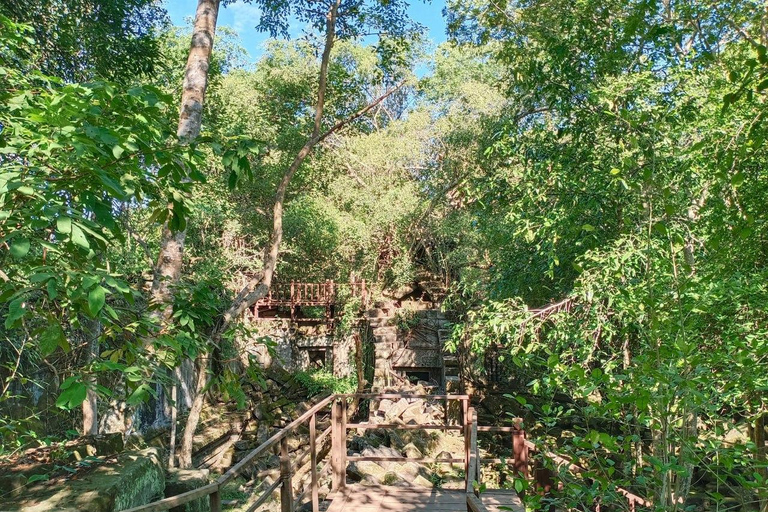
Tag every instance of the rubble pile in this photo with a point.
(391, 442)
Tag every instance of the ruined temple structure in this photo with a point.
(408, 345)
(401, 337)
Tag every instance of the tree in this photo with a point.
(72, 157)
(79, 40)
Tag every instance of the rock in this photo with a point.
(382, 451)
(96, 446)
(366, 471)
(409, 470)
(412, 452)
(399, 293)
(182, 480)
(420, 481)
(396, 410)
(414, 414)
(137, 478)
(738, 435)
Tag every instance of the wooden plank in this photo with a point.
(423, 460)
(400, 426)
(215, 501)
(520, 454)
(466, 411)
(472, 469)
(286, 474)
(313, 462)
(338, 445)
(176, 501)
(474, 504)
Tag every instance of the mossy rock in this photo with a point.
(136, 478)
(180, 481)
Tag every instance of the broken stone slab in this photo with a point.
(396, 409)
(366, 471)
(180, 481)
(411, 451)
(136, 478)
(382, 451)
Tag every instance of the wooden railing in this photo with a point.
(311, 294)
(337, 465)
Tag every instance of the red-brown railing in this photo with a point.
(337, 465)
(311, 294)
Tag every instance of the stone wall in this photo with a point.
(408, 340)
(300, 347)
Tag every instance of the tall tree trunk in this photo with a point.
(168, 267)
(90, 405)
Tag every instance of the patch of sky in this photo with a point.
(243, 18)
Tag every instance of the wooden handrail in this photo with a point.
(339, 459)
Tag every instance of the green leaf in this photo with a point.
(19, 247)
(117, 151)
(72, 395)
(64, 225)
(38, 478)
(16, 310)
(588, 227)
(96, 299)
(79, 238)
(51, 338)
(737, 179)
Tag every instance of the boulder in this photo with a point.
(182, 480)
(136, 478)
(366, 471)
(412, 452)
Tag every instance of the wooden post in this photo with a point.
(339, 444)
(215, 501)
(286, 488)
(313, 462)
(520, 453)
(473, 467)
(467, 439)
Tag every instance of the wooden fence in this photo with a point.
(338, 458)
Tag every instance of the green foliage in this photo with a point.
(79, 40)
(324, 382)
(74, 158)
(623, 201)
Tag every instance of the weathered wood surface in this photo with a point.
(359, 498)
(493, 500)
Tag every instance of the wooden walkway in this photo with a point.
(356, 498)
(359, 498)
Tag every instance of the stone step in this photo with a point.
(379, 322)
(385, 331)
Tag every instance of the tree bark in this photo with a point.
(90, 405)
(169, 262)
(185, 451)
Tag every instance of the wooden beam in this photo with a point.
(400, 426)
(313, 462)
(286, 473)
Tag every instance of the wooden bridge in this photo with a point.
(382, 498)
(285, 300)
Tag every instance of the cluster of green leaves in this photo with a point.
(629, 182)
(73, 159)
(319, 382)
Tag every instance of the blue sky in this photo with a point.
(243, 18)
